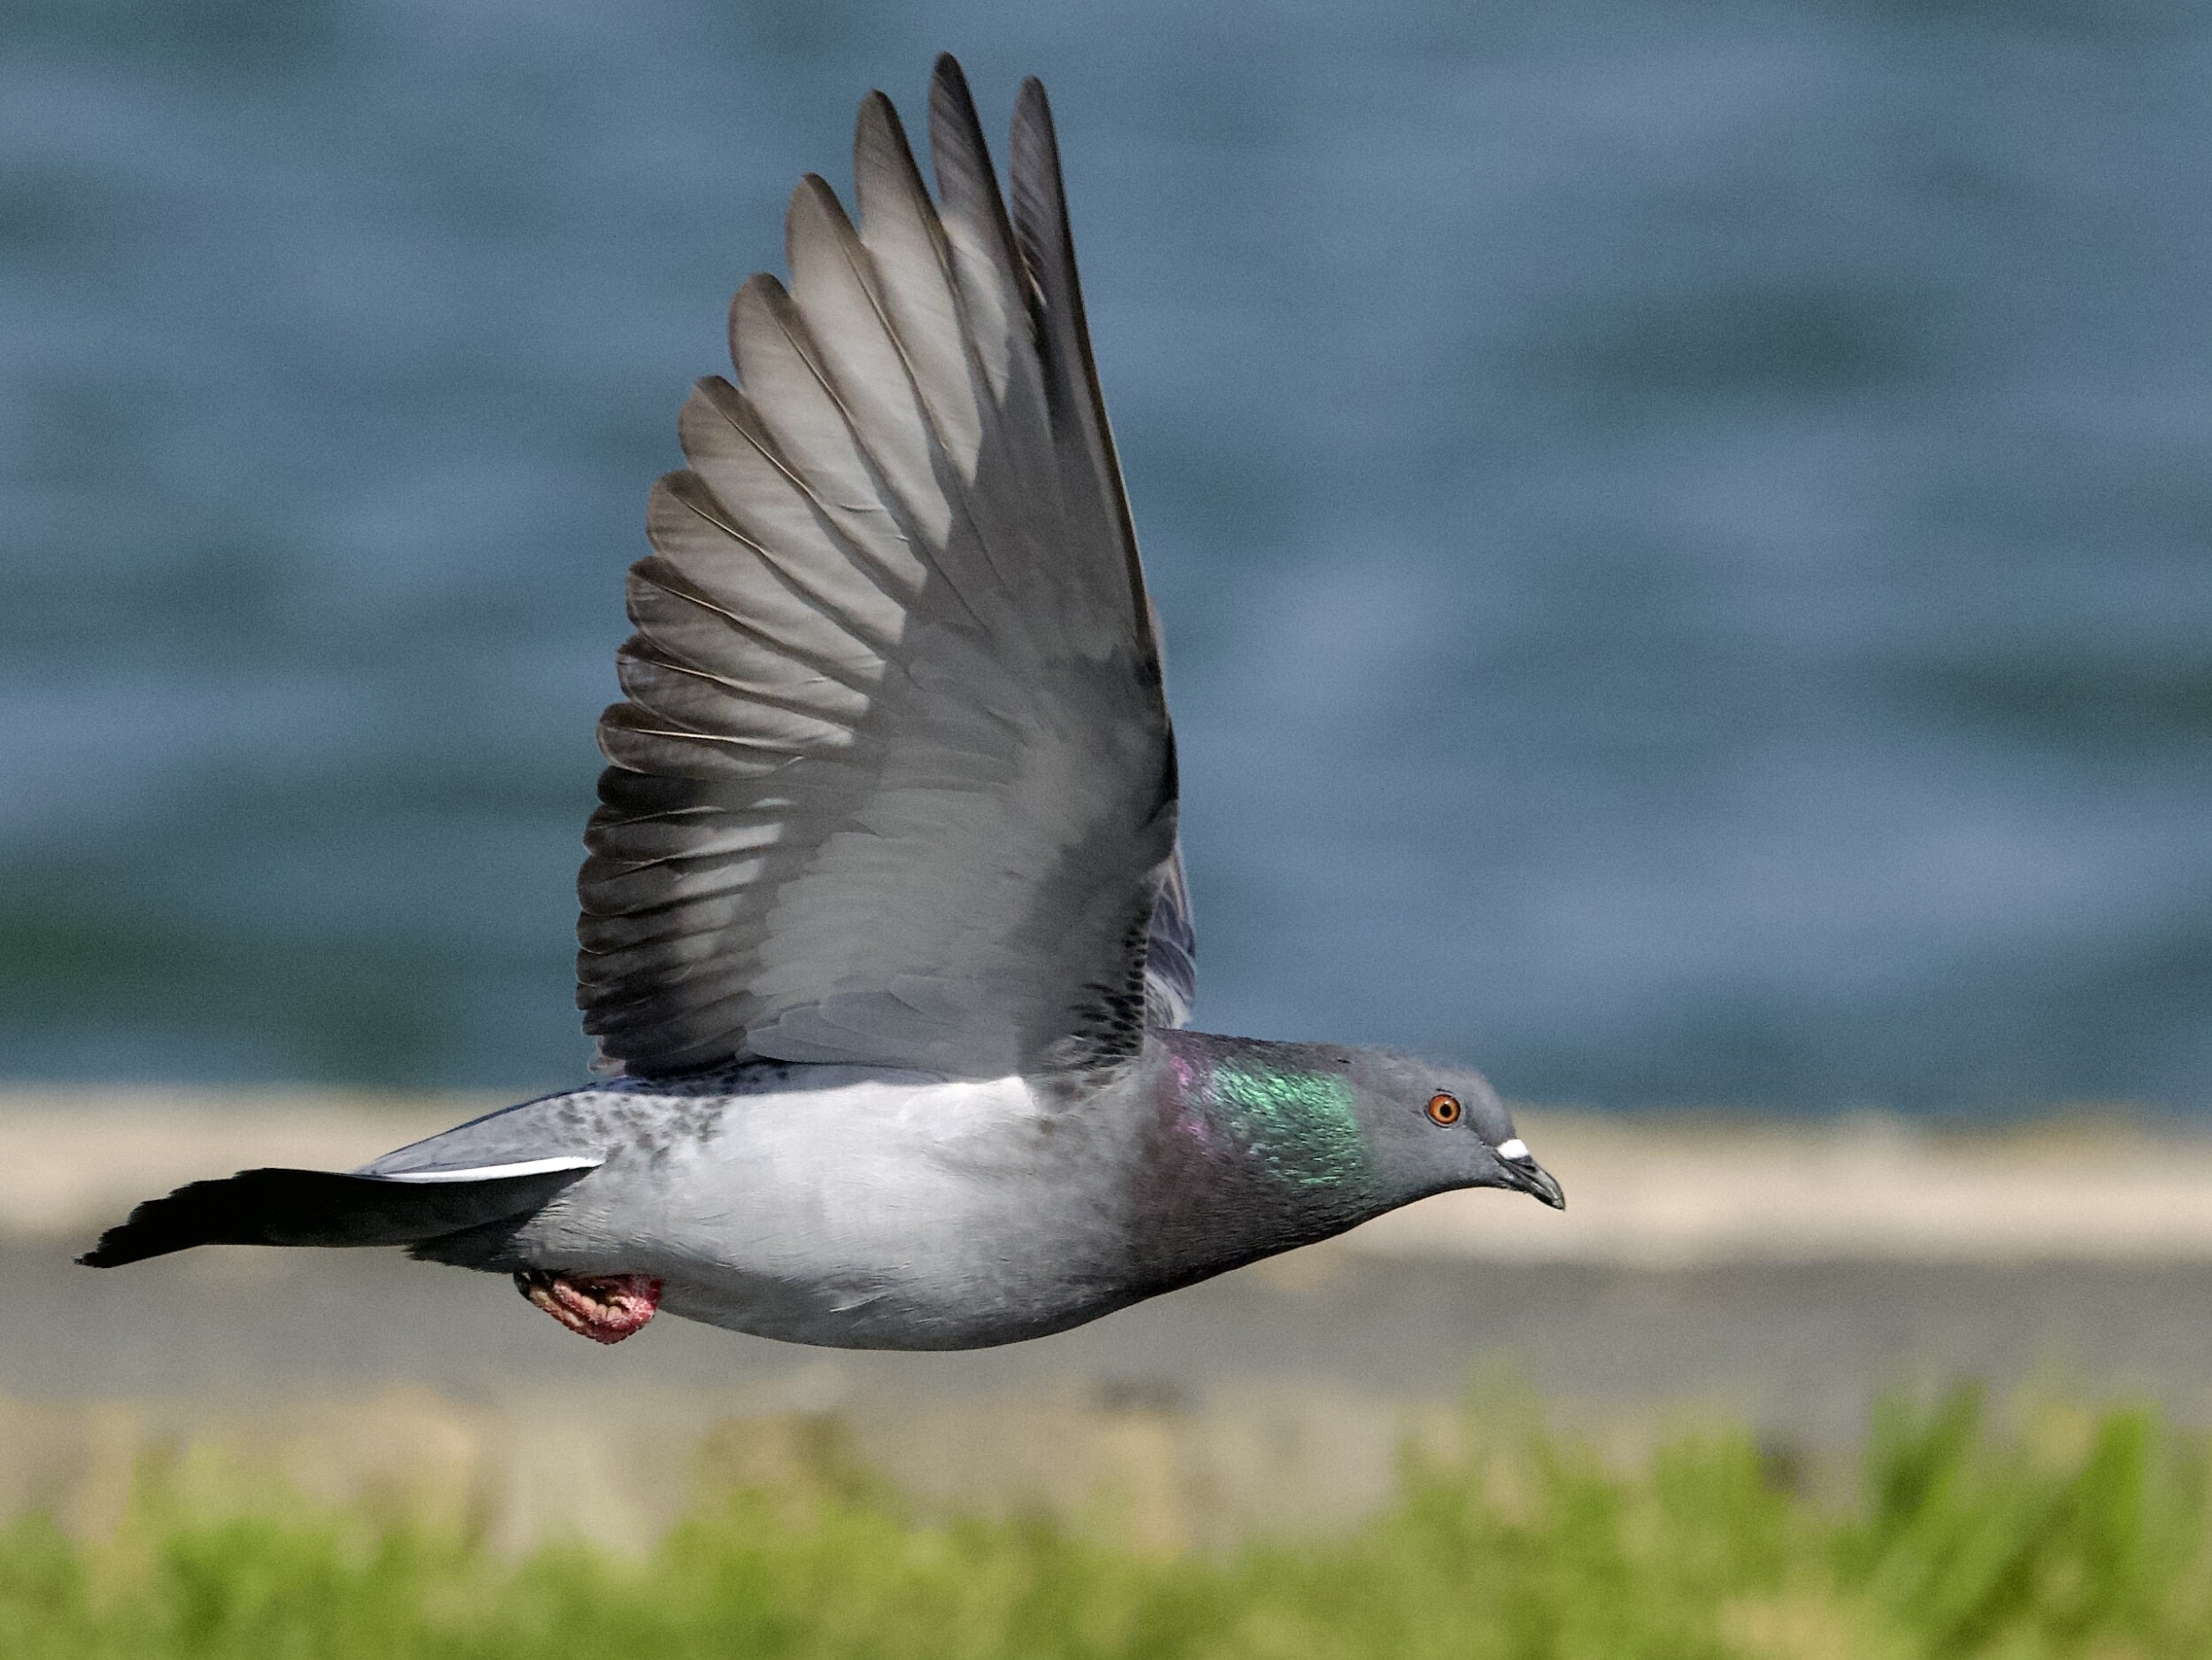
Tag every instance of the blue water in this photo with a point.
(1682, 530)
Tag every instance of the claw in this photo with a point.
(605, 1308)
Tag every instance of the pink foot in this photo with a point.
(605, 1308)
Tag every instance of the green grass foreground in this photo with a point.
(2062, 1535)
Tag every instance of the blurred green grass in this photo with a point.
(2044, 1533)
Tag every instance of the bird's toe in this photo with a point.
(605, 1308)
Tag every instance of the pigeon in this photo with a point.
(886, 939)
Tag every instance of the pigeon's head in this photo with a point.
(1429, 1128)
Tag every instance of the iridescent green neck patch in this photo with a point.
(1298, 1126)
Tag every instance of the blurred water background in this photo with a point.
(1682, 530)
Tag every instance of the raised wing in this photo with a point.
(1171, 950)
(893, 783)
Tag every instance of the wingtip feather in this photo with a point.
(948, 92)
(814, 207)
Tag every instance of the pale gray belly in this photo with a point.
(950, 1281)
(888, 1229)
(892, 1312)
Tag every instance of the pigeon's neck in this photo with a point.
(1257, 1147)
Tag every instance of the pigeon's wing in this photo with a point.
(1171, 950)
(894, 781)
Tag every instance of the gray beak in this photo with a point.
(1529, 1177)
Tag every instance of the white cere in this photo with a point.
(1515, 1148)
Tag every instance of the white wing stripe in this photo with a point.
(493, 1172)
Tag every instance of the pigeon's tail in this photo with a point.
(320, 1207)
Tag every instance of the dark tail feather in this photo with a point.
(318, 1207)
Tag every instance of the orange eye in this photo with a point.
(1444, 1109)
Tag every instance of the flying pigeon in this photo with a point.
(886, 939)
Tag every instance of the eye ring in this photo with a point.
(1445, 1110)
